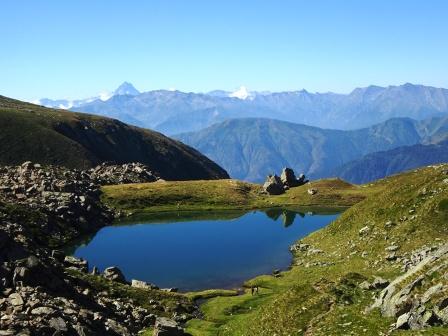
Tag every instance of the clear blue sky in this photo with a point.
(73, 49)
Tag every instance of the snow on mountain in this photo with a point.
(124, 89)
(241, 93)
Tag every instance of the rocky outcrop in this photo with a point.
(290, 180)
(413, 298)
(113, 273)
(275, 185)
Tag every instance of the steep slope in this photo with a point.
(381, 164)
(250, 149)
(76, 140)
(174, 112)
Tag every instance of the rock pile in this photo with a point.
(275, 185)
(67, 199)
(120, 174)
(40, 294)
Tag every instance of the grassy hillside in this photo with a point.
(76, 140)
(321, 294)
(226, 194)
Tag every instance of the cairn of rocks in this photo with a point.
(275, 185)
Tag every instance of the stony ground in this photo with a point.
(43, 292)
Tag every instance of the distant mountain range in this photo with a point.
(77, 140)
(174, 112)
(381, 164)
(251, 148)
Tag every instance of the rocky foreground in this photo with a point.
(44, 292)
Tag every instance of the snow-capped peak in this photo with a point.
(241, 93)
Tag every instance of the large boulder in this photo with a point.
(114, 274)
(290, 180)
(273, 185)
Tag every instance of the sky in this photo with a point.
(78, 48)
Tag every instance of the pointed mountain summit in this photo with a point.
(126, 89)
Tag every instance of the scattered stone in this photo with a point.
(77, 263)
(389, 224)
(16, 299)
(364, 231)
(142, 284)
(392, 248)
(312, 191)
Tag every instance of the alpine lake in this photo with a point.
(196, 251)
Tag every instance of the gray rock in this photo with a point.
(312, 191)
(42, 311)
(142, 284)
(288, 178)
(403, 321)
(364, 231)
(71, 261)
(379, 283)
(114, 274)
(16, 299)
(117, 328)
(273, 185)
(430, 292)
(58, 324)
(167, 327)
(392, 248)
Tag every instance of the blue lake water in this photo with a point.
(194, 252)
